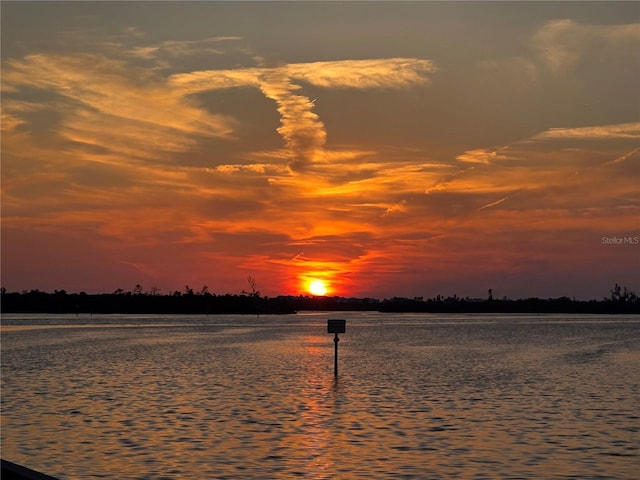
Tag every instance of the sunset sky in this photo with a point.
(388, 149)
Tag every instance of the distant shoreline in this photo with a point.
(61, 302)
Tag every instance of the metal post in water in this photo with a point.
(335, 358)
(336, 326)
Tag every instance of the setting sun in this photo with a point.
(317, 288)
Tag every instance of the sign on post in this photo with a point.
(336, 326)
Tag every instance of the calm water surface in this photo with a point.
(240, 397)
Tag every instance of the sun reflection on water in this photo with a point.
(317, 419)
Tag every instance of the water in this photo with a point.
(240, 397)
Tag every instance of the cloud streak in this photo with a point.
(598, 132)
(105, 103)
(301, 128)
(362, 74)
(483, 156)
(494, 204)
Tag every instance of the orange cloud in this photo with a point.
(111, 105)
(301, 128)
(599, 132)
(482, 155)
(378, 73)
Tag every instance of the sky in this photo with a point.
(386, 149)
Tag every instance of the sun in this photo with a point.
(318, 288)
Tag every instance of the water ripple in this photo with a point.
(415, 399)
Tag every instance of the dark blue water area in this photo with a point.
(417, 396)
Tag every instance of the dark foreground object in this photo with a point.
(13, 471)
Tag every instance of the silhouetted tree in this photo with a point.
(254, 293)
(254, 287)
(622, 294)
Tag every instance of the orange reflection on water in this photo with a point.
(317, 416)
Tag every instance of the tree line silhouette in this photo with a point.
(190, 301)
(139, 302)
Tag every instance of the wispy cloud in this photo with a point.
(204, 80)
(301, 128)
(493, 204)
(104, 102)
(181, 48)
(376, 73)
(625, 157)
(563, 47)
(598, 132)
(360, 74)
(483, 156)
(256, 168)
(561, 44)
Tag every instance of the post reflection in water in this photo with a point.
(308, 433)
(320, 418)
